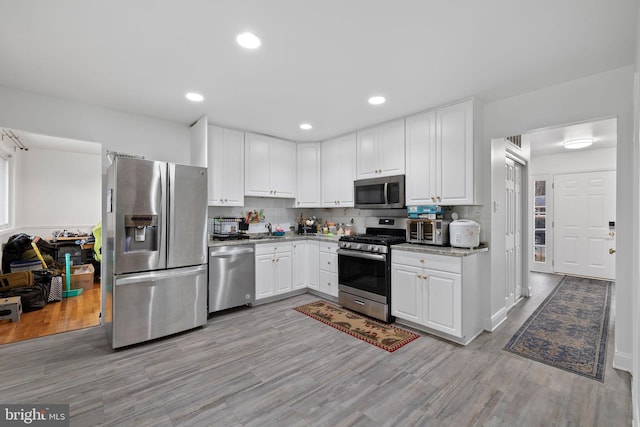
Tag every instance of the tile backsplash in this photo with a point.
(281, 212)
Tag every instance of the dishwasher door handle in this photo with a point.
(232, 252)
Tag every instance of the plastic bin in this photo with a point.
(25, 266)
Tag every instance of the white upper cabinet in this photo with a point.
(270, 166)
(440, 157)
(380, 150)
(454, 154)
(420, 179)
(308, 164)
(338, 164)
(225, 154)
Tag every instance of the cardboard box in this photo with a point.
(81, 277)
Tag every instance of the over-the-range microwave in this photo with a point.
(379, 193)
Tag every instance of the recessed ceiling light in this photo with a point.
(574, 144)
(377, 100)
(305, 126)
(248, 40)
(195, 97)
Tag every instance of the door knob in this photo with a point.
(612, 251)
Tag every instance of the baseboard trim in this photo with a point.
(622, 361)
(497, 319)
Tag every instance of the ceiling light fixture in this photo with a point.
(305, 126)
(574, 144)
(377, 100)
(248, 40)
(195, 97)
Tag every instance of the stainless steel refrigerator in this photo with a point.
(154, 250)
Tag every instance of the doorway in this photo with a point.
(55, 185)
(572, 208)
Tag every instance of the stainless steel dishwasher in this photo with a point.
(231, 276)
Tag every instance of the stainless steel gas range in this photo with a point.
(364, 267)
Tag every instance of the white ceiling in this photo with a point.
(319, 60)
(549, 141)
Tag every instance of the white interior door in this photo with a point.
(518, 224)
(585, 204)
(513, 232)
(510, 233)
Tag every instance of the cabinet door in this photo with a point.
(328, 283)
(338, 171)
(454, 148)
(308, 176)
(380, 150)
(420, 177)
(301, 264)
(225, 162)
(407, 292)
(283, 273)
(282, 168)
(313, 269)
(256, 169)
(264, 276)
(391, 148)
(367, 153)
(443, 311)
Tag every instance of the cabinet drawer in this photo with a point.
(435, 262)
(273, 248)
(328, 283)
(329, 262)
(328, 247)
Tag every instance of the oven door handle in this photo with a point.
(365, 255)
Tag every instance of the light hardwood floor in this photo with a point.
(73, 313)
(270, 365)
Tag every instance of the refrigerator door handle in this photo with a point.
(152, 276)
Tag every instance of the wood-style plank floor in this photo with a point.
(73, 313)
(272, 366)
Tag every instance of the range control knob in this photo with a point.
(372, 248)
(358, 246)
(347, 245)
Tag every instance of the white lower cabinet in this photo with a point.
(328, 266)
(438, 292)
(305, 264)
(273, 269)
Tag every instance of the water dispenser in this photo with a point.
(141, 233)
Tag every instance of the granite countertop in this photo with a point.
(261, 238)
(440, 250)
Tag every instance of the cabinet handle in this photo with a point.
(422, 260)
(273, 260)
(612, 251)
(433, 199)
(221, 200)
(419, 276)
(425, 277)
(277, 259)
(438, 198)
(329, 262)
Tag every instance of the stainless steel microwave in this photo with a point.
(379, 193)
(428, 231)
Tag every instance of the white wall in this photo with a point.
(608, 94)
(117, 131)
(57, 189)
(573, 162)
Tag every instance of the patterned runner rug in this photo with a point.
(569, 330)
(379, 334)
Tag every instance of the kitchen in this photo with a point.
(558, 103)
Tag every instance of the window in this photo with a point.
(540, 221)
(4, 190)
